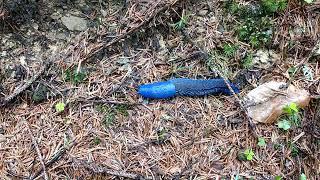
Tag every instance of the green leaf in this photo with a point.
(308, 1)
(284, 124)
(261, 142)
(72, 75)
(60, 107)
(249, 154)
(292, 71)
(278, 178)
(291, 109)
(303, 177)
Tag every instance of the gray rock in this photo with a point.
(74, 23)
(264, 58)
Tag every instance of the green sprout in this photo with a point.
(74, 76)
(161, 134)
(230, 50)
(284, 124)
(181, 24)
(108, 119)
(249, 153)
(273, 6)
(96, 140)
(292, 117)
(303, 177)
(248, 61)
(261, 142)
(60, 107)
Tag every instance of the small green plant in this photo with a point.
(292, 113)
(229, 49)
(161, 134)
(247, 61)
(109, 115)
(102, 108)
(292, 71)
(249, 153)
(294, 149)
(276, 146)
(273, 6)
(74, 76)
(303, 177)
(256, 32)
(60, 107)
(291, 109)
(96, 140)
(255, 21)
(261, 142)
(123, 109)
(108, 119)
(292, 117)
(278, 178)
(284, 124)
(181, 24)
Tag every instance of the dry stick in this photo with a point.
(34, 142)
(58, 155)
(106, 101)
(25, 86)
(103, 170)
(131, 31)
(252, 126)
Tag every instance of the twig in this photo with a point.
(34, 142)
(205, 54)
(25, 86)
(106, 101)
(58, 155)
(103, 170)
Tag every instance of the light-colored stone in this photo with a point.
(264, 59)
(266, 102)
(203, 12)
(74, 23)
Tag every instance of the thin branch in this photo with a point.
(34, 142)
(103, 170)
(106, 101)
(57, 156)
(26, 85)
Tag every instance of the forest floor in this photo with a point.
(69, 72)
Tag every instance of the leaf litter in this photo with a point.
(181, 137)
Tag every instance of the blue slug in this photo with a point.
(185, 87)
